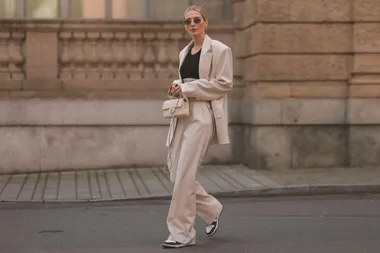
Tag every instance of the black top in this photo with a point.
(190, 66)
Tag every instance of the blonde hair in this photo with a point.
(197, 9)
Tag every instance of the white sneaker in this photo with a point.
(213, 227)
(168, 244)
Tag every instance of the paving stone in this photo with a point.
(29, 187)
(139, 183)
(4, 180)
(152, 183)
(216, 179)
(114, 185)
(83, 185)
(240, 178)
(13, 188)
(259, 178)
(39, 192)
(231, 180)
(52, 185)
(67, 186)
(208, 184)
(94, 185)
(163, 179)
(104, 189)
(128, 184)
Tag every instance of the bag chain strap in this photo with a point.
(168, 158)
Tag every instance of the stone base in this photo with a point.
(38, 135)
(56, 135)
(32, 149)
(293, 147)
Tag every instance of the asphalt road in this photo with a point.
(332, 224)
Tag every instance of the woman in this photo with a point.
(205, 78)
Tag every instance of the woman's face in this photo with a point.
(195, 25)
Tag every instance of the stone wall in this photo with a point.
(87, 94)
(80, 95)
(312, 81)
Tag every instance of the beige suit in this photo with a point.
(189, 138)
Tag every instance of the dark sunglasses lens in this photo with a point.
(197, 20)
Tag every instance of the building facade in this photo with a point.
(110, 9)
(82, 82)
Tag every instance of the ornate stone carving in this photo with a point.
(118, 55)
(12, 60)
(79, 59)
(65, 56)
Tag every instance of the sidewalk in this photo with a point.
(153, 183)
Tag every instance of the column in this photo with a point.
(295, 60)
(364, 116)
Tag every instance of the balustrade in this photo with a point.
(12, 60)
(92, 59)
(118, 55)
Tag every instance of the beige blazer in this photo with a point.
(215, 81)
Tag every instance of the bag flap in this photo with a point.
(173, 103)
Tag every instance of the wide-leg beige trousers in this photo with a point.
(189, 145)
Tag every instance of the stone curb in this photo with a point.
(293, 190)
(304, 190)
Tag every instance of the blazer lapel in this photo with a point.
(184, 53)
(182, 57)
(205, 59)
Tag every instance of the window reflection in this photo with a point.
(42, 8)
(7, 8)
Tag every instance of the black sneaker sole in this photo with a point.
(176, 246)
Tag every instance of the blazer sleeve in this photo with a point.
(178, 82)
(214, 88)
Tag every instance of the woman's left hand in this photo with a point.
(176, 90)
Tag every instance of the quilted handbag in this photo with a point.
(175, 108)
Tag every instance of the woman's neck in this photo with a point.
(198, 41)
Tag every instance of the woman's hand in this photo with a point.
(174, 90)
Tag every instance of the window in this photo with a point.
(7, 8)
(216, 9)
(76, 7)
(129, 9)
(42, 9)
(167, 9)
(107, 9)
(91, 9)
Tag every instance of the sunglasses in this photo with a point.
(196, 20)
